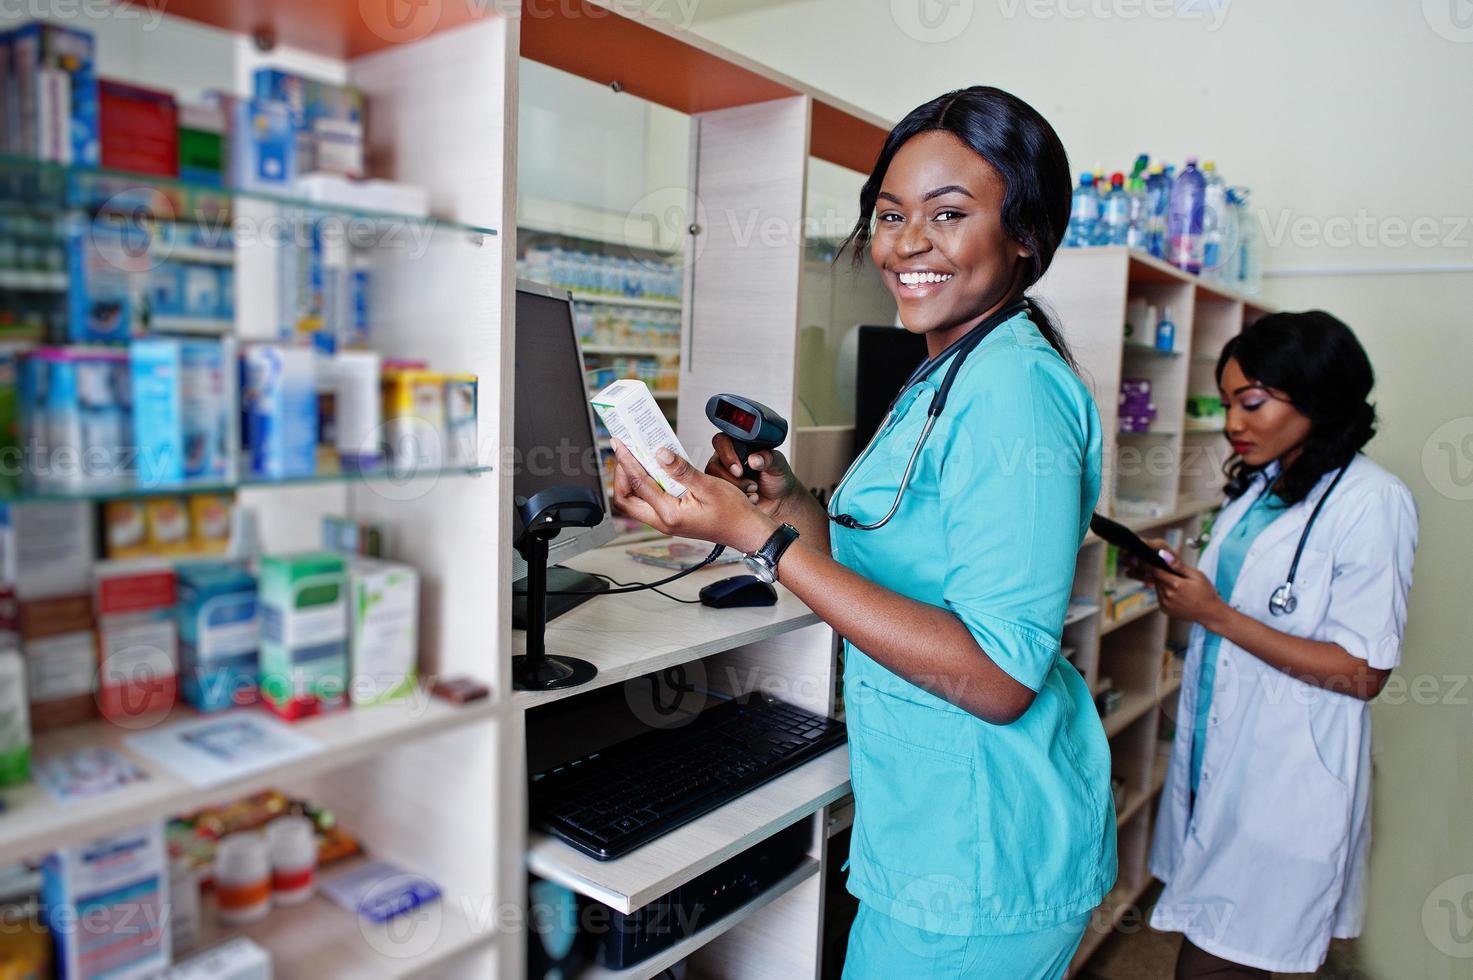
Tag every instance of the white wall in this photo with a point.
(1349, 120)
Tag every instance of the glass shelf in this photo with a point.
(12, 490)
(37, 187)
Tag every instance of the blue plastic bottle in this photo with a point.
(1115, 218)
(1084, 213)
(1184, 219)
(1158, 193)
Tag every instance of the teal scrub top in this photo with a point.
(961, 826)
(1261, 513)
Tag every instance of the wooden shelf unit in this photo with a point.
(1178, 470)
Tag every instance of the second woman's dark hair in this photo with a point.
(1023, 148)
(1316, 361)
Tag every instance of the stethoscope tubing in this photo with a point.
(958, 353)
(1282, 602)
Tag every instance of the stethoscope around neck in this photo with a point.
(957, 352)
(1282, 601)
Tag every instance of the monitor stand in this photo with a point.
(536, 671)
(558, 580)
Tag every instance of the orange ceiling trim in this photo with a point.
(604, 47)
(335, 28)
(845, 140)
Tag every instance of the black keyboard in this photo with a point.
(610, 802)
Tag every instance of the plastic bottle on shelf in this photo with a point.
(1137, 217)
(1158, 193)
(1184, 219)
(1250, 247)
(1230, 270)
(1114, 227)
(1084, 213)
(1215, 243)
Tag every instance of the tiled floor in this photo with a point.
(1142, 953)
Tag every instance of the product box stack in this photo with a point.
(51, 94)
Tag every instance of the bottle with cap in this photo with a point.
(242, 878)
(293, 844)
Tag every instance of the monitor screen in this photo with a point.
(554, 442)
(887, 356)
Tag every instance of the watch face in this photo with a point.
(759, 568)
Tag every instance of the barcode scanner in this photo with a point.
(752, 426)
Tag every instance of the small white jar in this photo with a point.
(293, 844)
(242, 878)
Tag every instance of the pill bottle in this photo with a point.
(242, 878)
(293, 844)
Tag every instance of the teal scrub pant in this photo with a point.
(880, 948)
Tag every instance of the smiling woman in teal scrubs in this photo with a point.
(984, 828)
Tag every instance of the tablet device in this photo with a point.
(1130, 543)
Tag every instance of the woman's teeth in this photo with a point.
(922, 278)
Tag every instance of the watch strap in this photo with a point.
(773, 548)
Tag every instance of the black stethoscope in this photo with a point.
(1282, 601)
(959, 351)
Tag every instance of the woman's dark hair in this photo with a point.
(1021, 146)
(1316, 361)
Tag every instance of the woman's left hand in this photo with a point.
(711, 509)
(1193, 598)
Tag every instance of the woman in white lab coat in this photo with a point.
(1264, 824)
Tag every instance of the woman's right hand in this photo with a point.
(775, 482)
(1143, 572)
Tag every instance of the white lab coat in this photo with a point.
(1271, 863)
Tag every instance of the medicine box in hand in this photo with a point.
(632, 416)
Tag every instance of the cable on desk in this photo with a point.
(715, 553)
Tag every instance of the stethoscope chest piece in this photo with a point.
(1283, 602)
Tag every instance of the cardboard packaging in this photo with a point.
(139, 129)
(138, 638)
(460, 419)
(632, 416)
(60, 647)
(384, 645)
(180, 410)
(54, 82)
(119, 887)
(304, 633)
(279, 398)
(219, 635)
(15, 719)
(414, 419)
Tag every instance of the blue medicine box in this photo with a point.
(219, 635)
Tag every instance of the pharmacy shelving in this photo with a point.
(660, 962)
(48, 187)
(16, 492)
(1173, 472)
(441, 292)
(32, 280)
(36, 822)
(634, 302)
(643, 350)
(317, 938)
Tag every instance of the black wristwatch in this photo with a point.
(763, 562)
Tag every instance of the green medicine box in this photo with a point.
(304, 633)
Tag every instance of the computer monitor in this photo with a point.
(553, 443)
(886, 357)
